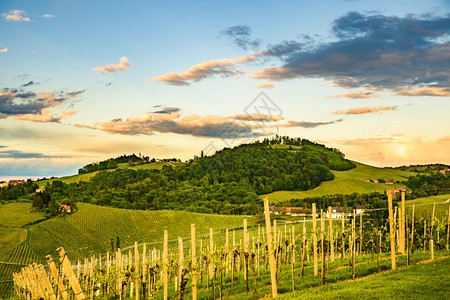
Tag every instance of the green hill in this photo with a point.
(347, 182)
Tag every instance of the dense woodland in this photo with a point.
(228, 182)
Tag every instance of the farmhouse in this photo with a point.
(15, 182)
(389, 180)
(65, 208)
(374, 180)
(444, 171)
(3, 184)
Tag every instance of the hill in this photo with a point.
(347, 182)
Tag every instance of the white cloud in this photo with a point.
(4, 50)
(49, 16)
(16, 15)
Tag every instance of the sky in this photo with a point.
(83, 81)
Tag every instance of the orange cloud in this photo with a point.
(4, 50)
(356, 95)
(16, 15)
(273, 73)
(69, 113)
(364, 110)
(423, 91)
(204, 70)
(112, 68)
(265, 85)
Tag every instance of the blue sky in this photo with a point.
(83, 81)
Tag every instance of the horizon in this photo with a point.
(369, 78)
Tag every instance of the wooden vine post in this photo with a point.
(180, 260)
(322, 246)
(412, 228)
(194, 263)
(211, 250)
(272, 263)
(314, 215)
(67, 266)
(402, 225)
(448, 228)
(136, 269)
(165, 265)
(303, 248)
(391, 229)
(330, 234)
(353, 248)
(343, 234)
(246, 246)
(58, 280)
(431, 233)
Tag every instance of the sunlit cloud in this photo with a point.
(364, 110)
(241, 125)
(372, 51)
(267, 85)
(222, 67)
(356, 95)
(113, 68)
(36, 106)
(49, 16)
(4, 50)
(16, 16)
(306, 124)
(411, 91)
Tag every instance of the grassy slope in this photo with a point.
(346, 182)
(15, 215)
(88, 176)
(421, 281)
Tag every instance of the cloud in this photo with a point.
(356, 95)
(265, 85)
(36, 106)
(241, 36)
(85, 126)
(239, 126)
(305, 124)
(25, 155)
(167, 110)
(29, 83)
(113, 68)
(422, 91)
(222, 67)
(4, 50)
(364, 110)
(373, 51)
(49, 16)
(16, 16)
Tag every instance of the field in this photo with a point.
(347, 182)
(421, 281)
(88, 176)
(15, 215)
(89, 231)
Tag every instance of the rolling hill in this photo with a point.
(347, 182)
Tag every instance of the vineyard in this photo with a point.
(250, 261)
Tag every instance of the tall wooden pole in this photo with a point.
(402, 225)
(314, 215)
(391, 229)
(59, 282)
(136, 269)
(180, 260)
(343, 232)
(412, 229)
(211, 251)
(246, 251)
(272, 263)
(448, 228)
(330, 234)
(194, 263)
(322, 245)
(67, 266)
(165, 264)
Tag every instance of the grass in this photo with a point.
(346, 182)
(429, 200)
(15, 215)
(420, 281)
